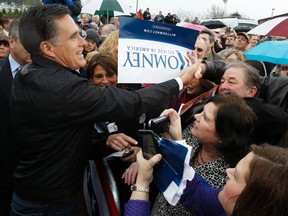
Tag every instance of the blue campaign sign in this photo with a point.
(171, 167)
(151, 52)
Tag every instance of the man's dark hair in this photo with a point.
(14, 29)
(38, 25)
(210, 33)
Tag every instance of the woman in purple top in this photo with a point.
(258, 185)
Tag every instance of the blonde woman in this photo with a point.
(110, 45)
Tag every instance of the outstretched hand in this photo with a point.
(120, 142)
(190, 72)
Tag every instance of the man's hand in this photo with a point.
(188, 73)
(120, 142)
(132, 158)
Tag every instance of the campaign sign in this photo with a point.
(152, 52)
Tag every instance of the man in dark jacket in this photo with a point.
(267, 96)
(147, 14)
(159, 17)
(52, 110)
(170, 19)
(18, 57)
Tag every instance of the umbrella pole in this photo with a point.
(108, 21)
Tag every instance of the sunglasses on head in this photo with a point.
(198, 49)
(82, 33)
(4, 43)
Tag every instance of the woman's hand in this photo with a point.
(175, 129)
(145, 168)
(130, 174)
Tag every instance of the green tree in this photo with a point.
(236, 14)
(31, 3)
(18, 7)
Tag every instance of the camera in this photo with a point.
(148, 143)
(159, 125)
(228, 30)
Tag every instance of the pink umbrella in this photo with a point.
(275, 27)
(196, 27)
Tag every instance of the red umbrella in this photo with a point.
(275, 27)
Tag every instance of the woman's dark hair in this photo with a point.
(234, 123)
(105, 60)
(38, 24)
(266, 188)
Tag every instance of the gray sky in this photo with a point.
(254, 9)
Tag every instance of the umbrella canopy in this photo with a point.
(213, 24)
(194, 26)
(109, 7)
(275, 27)
(269, 51)
(242, 28)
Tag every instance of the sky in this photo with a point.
(254, 9)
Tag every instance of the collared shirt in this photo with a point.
(14, 66)
(6, 32)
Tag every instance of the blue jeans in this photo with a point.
(24, 207)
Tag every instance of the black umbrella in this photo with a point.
(213, 24)
(243, 28)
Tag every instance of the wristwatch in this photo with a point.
(135, 187)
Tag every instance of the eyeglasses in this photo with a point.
(198, 49)
(4, 43)
(82, 33)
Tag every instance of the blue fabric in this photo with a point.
(197, 198)
(171, 167)
(203, 181)
(137, 207)
(22, 206)
(47, 1)
(69, 3)
(201, 200)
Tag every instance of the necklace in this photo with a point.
(196, 162)
(200, 155)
